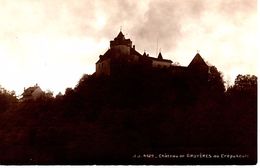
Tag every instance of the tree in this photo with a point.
(242, 111)
(49, 94)
(245, 85)
(215, 80)
(246, 82)
(7, 99)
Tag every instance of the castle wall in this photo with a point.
(160, 64)
(103, 67)
(121, 50)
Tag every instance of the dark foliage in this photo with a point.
(7, 100)
(108, 120)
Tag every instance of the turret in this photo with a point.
(120, 40)
(120, 45)
(160, 56)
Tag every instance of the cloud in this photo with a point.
(35, 35)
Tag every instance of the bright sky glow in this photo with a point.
(54, 42)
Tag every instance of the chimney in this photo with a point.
(134, 47)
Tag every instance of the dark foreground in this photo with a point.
(136, 120)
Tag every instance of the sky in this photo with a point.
(54, 42)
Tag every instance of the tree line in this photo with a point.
(109, 119)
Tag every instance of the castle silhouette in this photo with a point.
(122, 55)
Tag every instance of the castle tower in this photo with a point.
(120, 40)
(122, 57)
(120, 45)
(198, 68)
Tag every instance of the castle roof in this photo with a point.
(120, 40)
(157, 59)
(105, 56)
(160, 56)
(197, 60)
(32, 92)
(108, 54)
(120, 36)
(134, 52)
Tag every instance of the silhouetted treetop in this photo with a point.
(245, 82)
(7, 99)
(216, 80)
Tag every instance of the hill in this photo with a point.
(135, 118)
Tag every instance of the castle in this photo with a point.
(122, 55)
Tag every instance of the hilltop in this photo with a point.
(132, 110)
